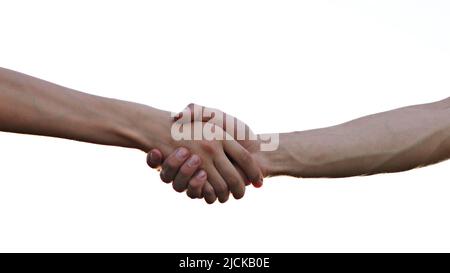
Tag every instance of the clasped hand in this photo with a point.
(214, 168)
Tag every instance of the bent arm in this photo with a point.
(33, 106)
(392, 141)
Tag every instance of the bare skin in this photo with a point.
(392, 141)
(32, 106)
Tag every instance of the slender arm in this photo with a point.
(33, 106)
(392, 141)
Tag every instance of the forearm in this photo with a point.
(392, 141)
(33, 106)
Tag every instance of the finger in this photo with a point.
(196, 184)
(215, 116)
(154, 158)
(219, 185)
(185, 173)
(231, 176)
(173, 163)
(190, 194)
(242, 174)
(209, 193)
(244, 159)
(193, 112)
(258, 184)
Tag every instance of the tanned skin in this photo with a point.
(392, 141)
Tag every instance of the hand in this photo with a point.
(222, 176)
(183, 171)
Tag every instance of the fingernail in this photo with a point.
(193, 161)
(258, 184)
(181, 153)
(152, 156)
(201, 174)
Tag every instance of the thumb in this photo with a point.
(154, 158)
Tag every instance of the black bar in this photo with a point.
(224, 262)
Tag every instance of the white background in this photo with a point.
(278, 65)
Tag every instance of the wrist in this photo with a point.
(280, 161)
(143, 127)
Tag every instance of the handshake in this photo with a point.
(218, 154)
(210, 154)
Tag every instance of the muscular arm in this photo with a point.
(392, 141)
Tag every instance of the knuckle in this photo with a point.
(184, 172)
(171, 165)
(208, 146)
(195, 184)
(234, 182)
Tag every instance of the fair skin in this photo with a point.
(32, 106)
(392, 141)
